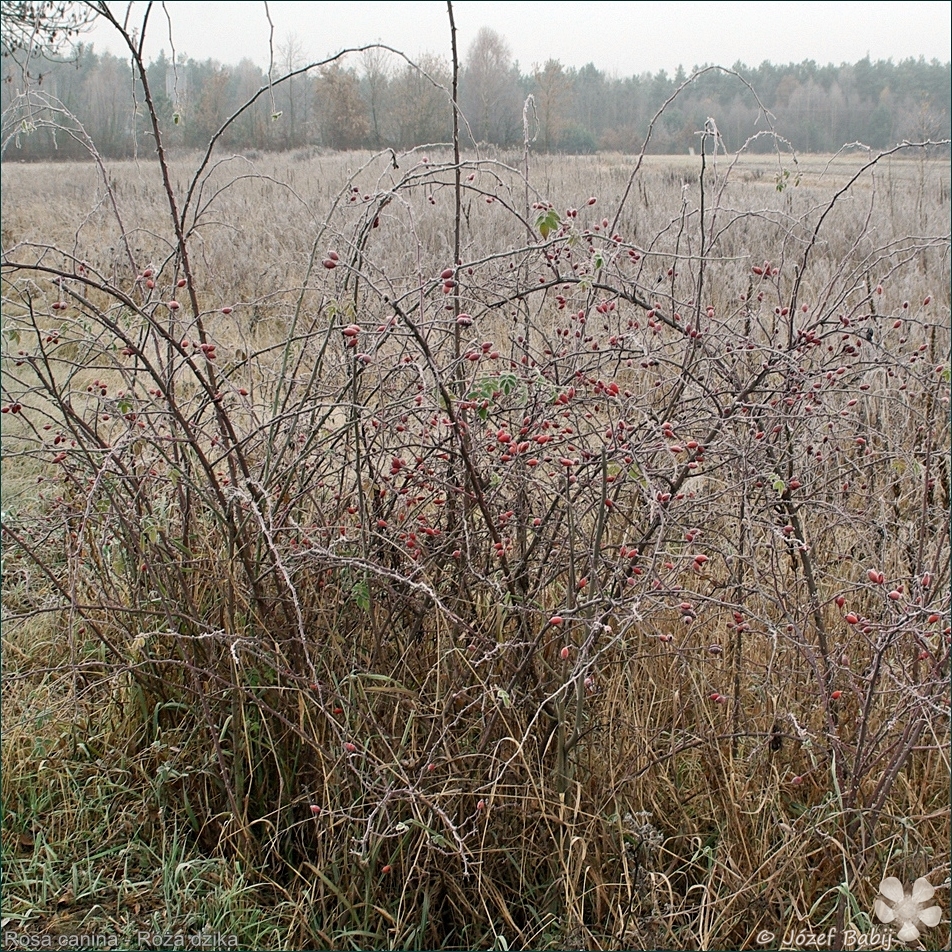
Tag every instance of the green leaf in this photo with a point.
(361, 594)
(547, 222)
(507, 383)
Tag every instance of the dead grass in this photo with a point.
(238, 700)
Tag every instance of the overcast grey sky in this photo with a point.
(619, 37)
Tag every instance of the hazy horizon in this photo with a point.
(678, 33)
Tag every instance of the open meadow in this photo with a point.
(513, 552)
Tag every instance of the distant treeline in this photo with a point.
(377, 100)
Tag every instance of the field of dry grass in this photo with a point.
(568, 570)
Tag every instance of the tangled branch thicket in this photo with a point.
(482, 556)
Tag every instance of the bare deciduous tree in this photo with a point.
(490, 94)
(376, 82)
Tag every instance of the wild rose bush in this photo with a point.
(478, 521)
